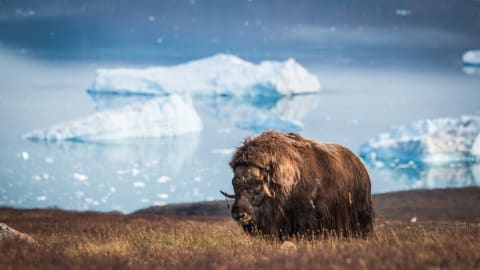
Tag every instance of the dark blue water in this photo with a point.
(377, 69)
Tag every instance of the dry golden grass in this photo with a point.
(71, 240)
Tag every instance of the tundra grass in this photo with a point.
(72, 240)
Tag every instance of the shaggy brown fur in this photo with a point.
(311, 187)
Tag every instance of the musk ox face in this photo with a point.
(251, 193)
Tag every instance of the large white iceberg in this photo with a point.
(432, 141)
(471, 57)
(221, 74)
(161, 116)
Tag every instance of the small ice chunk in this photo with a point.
(121, 172)
(471, 57)
(113, 189)
(80, 177)
(41, 198)
(223, 151)
(224, 130)
(163, 179)
(135, 172)
(25, 155)
(162, 196)
(45, 176)
(37, 177)
(403, 12)
(25, 13)
(49, 160)
(197, 179)
(139, 184)
(151, 163)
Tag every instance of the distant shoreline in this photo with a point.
(459, 204)
(437, 204)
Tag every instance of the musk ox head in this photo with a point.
(265, 171)
(252, 195)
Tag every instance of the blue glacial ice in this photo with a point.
(161, 116)
(221, 74)
(431, 141)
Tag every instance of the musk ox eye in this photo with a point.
(253, 182)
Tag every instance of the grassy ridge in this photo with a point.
(80, 240)
(441, 204)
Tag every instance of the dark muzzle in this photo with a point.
(241, 216)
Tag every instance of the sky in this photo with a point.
(272, 29)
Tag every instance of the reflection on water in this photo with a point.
(424, 177)
(122, 176)
(260, 113)
(130, 174)
(251, 113)
(471, 69)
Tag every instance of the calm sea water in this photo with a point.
(380, 64)
(356, 103)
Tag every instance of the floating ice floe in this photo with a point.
(80, 177)
(429, 141)
(221, 74)
(471, 57)
(161, 116)
(25, 155)
(403, 12)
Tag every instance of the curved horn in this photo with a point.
(270, 193)
(228, 195)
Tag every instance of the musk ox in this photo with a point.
(287, 186)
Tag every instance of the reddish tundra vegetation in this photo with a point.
(445, 235)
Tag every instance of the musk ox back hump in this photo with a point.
(308, 187)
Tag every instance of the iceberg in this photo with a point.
(471, 57)
(429, 141)
(221, 74)
(162, 116)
